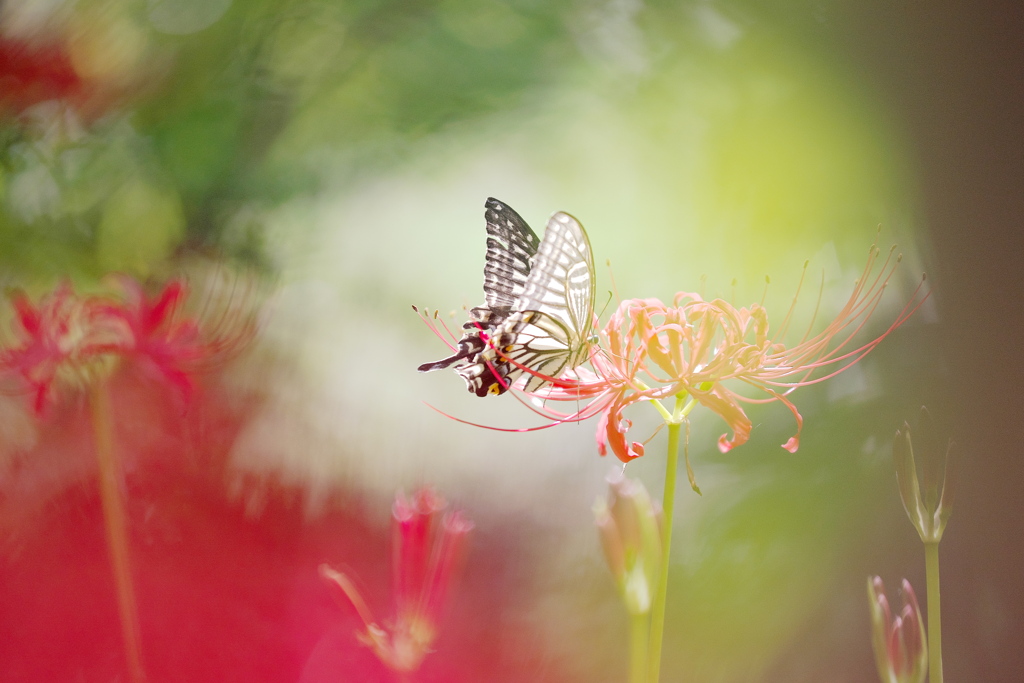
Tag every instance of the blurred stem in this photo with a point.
(116, 526)
(931, 567)
(639, 632)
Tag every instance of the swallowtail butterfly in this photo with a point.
(539, 304)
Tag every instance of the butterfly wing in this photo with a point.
(548, 328)
(511, 247)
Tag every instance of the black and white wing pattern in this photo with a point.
(539, 304)
(548, 330)
(511, 247)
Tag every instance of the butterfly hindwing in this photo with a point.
(562, 278)
(549, 326)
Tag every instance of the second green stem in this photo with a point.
(931, 566)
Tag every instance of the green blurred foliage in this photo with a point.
(246, 113)
(741, 123)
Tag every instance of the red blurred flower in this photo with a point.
(67, 339)
(900, 650)
(427, 552)
(32, 73)
(172, 345)
(72, 339)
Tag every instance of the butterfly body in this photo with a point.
(539, 304)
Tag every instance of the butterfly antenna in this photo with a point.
(611, 276)
(605, 307)
(607, 354)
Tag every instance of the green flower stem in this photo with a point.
(667, 416)
(639, 625)
(114, 519)
(668, 503)
(674, 422)
(931, 567)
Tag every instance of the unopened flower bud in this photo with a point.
(928, 510)
(899, 642)
(629, 526)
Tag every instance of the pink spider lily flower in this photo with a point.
(427, 553)
(694, 347)
(66, 340)
(901, 652)
(701, 353)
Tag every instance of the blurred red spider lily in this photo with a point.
(650, 351)
(69, 340)
(428, 549)
(32, 73)
(176, 346)
(73, 341)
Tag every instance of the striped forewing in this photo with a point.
(511, 247)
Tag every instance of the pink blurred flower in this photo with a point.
(704, 351)
(428, 548)
(900, 646)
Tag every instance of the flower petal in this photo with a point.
(722, 401)
(611, 430)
